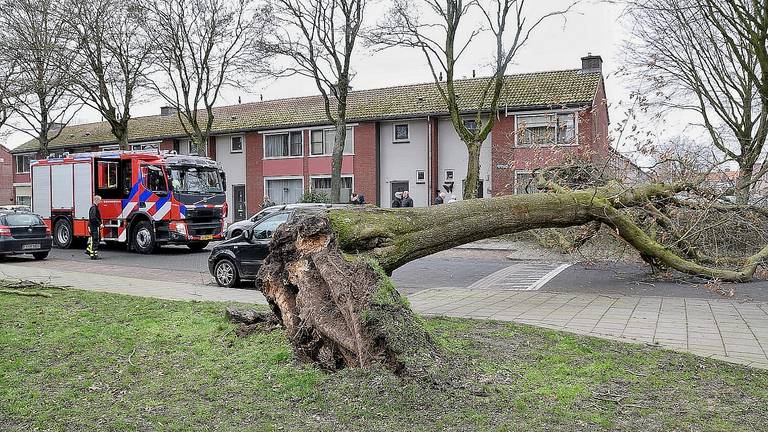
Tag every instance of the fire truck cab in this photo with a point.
(148, 198)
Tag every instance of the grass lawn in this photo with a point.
(91, 361)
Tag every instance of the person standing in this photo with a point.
(94, 225)
(357, 199)
(407, 200)
(398, 201)
(440, 198)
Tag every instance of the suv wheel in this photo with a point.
(225, 273)
(144, 238)
(62, 234)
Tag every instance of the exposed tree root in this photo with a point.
(338, 312)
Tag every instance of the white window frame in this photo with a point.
(573, 111)
(424, 175)
(16, 163)
(242, 144)
(350, 133)
(464, 121)
(286, 132)
(303, 186)
(514, 176)
(405, 140)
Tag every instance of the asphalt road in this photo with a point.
(453, 268)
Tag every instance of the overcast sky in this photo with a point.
(593, 27)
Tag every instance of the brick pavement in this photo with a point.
(727, 330)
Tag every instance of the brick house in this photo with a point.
(399, 138)
(7, 196)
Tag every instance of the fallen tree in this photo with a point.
(327, 275)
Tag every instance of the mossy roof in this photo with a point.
(521, 91)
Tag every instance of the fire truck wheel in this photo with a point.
(62, 234)
(197, 246)
(144, 238)
(225, 273)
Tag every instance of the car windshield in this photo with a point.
(189, 179)
(22, 219)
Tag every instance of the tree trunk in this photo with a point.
(744, 183)
(326, 277)
(472, 180)
(337, 159)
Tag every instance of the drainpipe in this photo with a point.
(430, 186)
(378, 164)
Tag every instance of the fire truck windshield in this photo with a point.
(191, 179)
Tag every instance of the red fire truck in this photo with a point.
(148, 198)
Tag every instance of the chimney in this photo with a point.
(167, 111)
(591, 64)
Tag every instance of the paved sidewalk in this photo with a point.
(727, 330)
(722, 329)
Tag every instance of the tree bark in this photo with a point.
(327, 275)
(471, 183)
(337, 159)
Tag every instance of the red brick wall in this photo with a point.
(6, 177)
(502, 156)
(167, 144)
(212, 147)
(365, 161)
(254, 177)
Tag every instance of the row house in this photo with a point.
(399, 138)
(7, 195)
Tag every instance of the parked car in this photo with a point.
(237, 228)
(23, 232)
(16, 207)
(239, 259)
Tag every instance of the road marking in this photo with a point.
(529, 276)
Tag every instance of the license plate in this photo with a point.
(31, 246)
(207, 237)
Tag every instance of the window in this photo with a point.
(191, 148)
(402, 134)
(22, 220)
(24, 200)
(546, 129)
(325, 183)
(22, 163)
(144, 146)
(236, 145)
(284, 191)
(322, 142)
(522, 181)
(449, 175)
(471, 125)
(272, 223)
(421, 176)
(283, 145)
(154, 179)
(106, 178)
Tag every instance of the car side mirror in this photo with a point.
(247, 234)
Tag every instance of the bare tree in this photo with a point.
(436, 28)
(318, 38)
(7, 75)
(109, 57)
(34, 38)
(202, 46)
(690, 58)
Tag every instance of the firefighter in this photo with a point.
(94, 224)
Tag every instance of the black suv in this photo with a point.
(23, 232)
(239, 258)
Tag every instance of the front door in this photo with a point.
(397, 186)
(238, 201)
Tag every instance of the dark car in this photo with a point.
(239, 258)
(23, 232)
